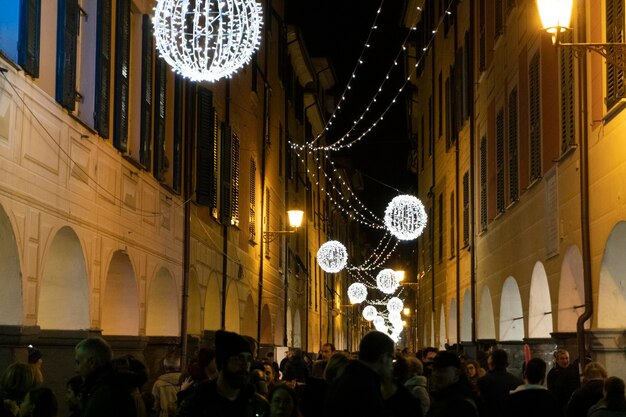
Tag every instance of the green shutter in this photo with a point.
(226, 175)
(122, 75)
(178, 133)
(103, 68)
(204, 146)
(28, 38)
(147, 51)
(67, 30)
(160, 84)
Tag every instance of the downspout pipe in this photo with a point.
(584, 195)
(456, 203)
(472, 169)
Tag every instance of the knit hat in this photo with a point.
(228, 344)
(34, 354)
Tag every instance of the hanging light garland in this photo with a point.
(206, 40)
(369, 313)
(386, 281)
(357, 293)
(405, 217)
(395, 306)
(332, 256)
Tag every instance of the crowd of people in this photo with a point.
(377, 381)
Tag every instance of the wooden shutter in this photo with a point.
(235, 181)
(483, 183)
(500, 161)
(252, 211)
(103, 68)
(614, 34)
(178, 134)
(466, 209)
(67, 31)
(452, 228)
(512, 148)
(535, 118)
(204, 156)
(147, 52)
(567, 95)
(160, 85)
(226, 175)
(122, 75)
(28, 37)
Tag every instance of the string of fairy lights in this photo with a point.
(211, 40)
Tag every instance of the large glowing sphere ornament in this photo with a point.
(405, 217)
(395, 305)
(386, 281)
(206, 40)
(332, 256)
(369, 313)
(357, 293)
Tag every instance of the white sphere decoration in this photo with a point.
(357, 293)
(394, 318)
(405, 217)
(386, 281)
(332, 256)
(378, 321)
(206, 40)
(395, 305)
(369, 313)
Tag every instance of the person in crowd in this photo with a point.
(451, 392)
(257, 378)
(39, 402)
(15, 382)
(428, 354)
(106, 391)
(495, 386)
(335, 366)
(167, 386)
(231, 394)
(473, 370)
(314, 391)
(416, 382)
(327, 351)
(563, 378)
(283, 401)
(613, 404)
(75, 395)
(270, 375)
(366, 387)
(201, 368)
(532, 399)
(589, 393)
(269, 359)
(134, 374)
(35, 357)
(283, 362)
(296, 370)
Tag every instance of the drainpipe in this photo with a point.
(456, 212)
(472, 178)
(584, 195)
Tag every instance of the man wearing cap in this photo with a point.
(231, 394)
(366, 388)
(451, 391)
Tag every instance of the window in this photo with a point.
(280, 149)
(267, 219)
(535, 118)
(512, 148)
(482, 53)
(466, 209)
(615, 89)
(206, 133)
(567, 94)
(252, 211)
(483, 183)
(440, 228)
(68, 22)
(160, 87)
(103, 69)
(452, 224)
(234, 218)
(177, 143)
(226, 175)
(440, 97)
(121, 75)
(147, 53)
(500, 202)
(19, 33)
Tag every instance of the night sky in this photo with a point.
(339, 29)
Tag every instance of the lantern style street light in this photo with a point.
(295, 221)
(555, 18)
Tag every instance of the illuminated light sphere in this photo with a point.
(395, 305)
(332, 256)
(394, 318)
(206, 40)
(378, 321)
(405, 217)
(357, 293)
(386, 281)
(369, 313)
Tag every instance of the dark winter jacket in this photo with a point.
(562, 382)
(532, 401)
(206, 402)
(584, 397)
(108, 395)
(456, 400)
(494, 388)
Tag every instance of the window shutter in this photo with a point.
(452, 228)
(204, 146)
(567, 95)
(226, 175)
(500, 161)
(147, 51)
(214, 166)
(499, 16)
(234, 218)
(122, 75)
(483, 183)
(160, 85)
(67, 30)
(535, 121)
(267, 219)
(440, 228)
(466, 208)
(252, 211)
(614, 34)
(513, 141)
(103, 68)
(178, 133)
(28, 38)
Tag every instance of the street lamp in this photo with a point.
(555, 18)
(295, 221)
